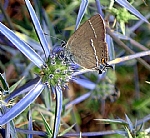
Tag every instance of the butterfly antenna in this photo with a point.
(62, 41)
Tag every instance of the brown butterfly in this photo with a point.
(87, 46)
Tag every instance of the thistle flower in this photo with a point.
(56, 71)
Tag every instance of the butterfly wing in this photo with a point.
(87, 45)
(99, 38)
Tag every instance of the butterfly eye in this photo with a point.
(61, 55)
(63, 44)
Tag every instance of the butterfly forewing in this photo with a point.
(87, 45)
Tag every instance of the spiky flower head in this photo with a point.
(58, 69)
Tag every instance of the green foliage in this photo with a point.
(47, 127)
